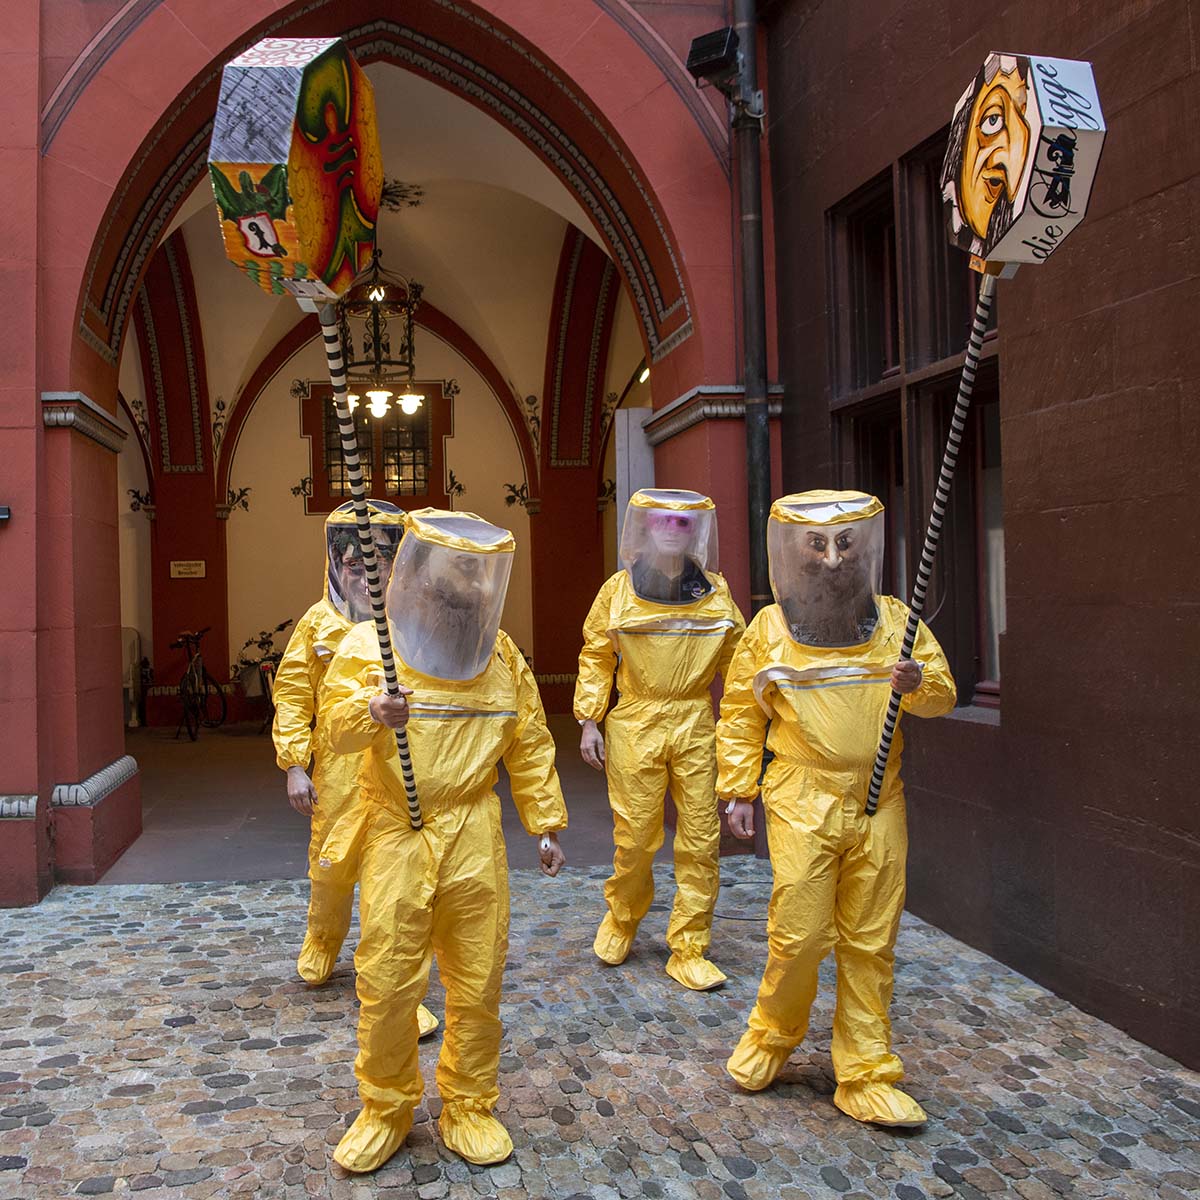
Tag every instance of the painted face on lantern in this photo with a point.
(670, 533)
(996, 148)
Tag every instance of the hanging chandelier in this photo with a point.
(376, 321)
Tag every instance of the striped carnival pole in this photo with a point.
(933, 532)
(358, 495)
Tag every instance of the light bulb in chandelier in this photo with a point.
(378, 402)
(410, 401)
(351, 401)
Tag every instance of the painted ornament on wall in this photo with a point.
(295, 166)
(1024, 146)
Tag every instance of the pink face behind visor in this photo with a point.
(670, 520)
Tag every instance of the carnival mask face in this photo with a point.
(996, 148)
(671, 533)
(352, 576)
(459, 581)
(831, 558)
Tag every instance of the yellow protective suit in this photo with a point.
(839, 874)
(299, 738)
(439, 890)
(660, 734)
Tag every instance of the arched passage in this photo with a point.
(637, 155)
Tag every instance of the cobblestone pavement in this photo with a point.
(154, 1042)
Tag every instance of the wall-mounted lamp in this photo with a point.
(713, 58)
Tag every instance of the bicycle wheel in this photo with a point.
(212, 702)
(191, 707)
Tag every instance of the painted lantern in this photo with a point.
(1024, 145)
(295, 166)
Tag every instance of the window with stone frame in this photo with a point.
(402, 454)
(892, 404)
(335, 468)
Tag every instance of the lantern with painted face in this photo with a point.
(295, 166)
(1024, 145)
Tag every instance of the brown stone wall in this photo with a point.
(1063, 837)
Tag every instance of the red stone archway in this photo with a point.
(643, 163)
(600, 97)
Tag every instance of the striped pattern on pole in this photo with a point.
(358, 494)
(933, 532)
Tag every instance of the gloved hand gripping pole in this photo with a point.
(933, 531)
(358, 494)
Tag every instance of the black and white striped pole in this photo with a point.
(1021, 159)
(933, 532)
(332, 339)
(260, 159)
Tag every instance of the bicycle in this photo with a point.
(266, 662)
(201, 696)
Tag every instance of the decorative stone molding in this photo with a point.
(92, 790)
(172, 689)
(18, 807)
(73, 410)
(704, 404)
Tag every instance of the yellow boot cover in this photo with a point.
(612, 944)
(474, 1134)
(316, 961)
(695, 971)
(426, 1021)
(373, 1138)
(755, 1063)
(879, 1104)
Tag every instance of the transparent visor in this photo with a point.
(667, 551)
(826, 578)
(347, 575)
(444, 603)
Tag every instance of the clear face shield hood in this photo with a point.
(346, 576)
(668, 542)
(826, 555)
(447, 592)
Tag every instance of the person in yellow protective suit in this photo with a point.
(468, 701)
(817, 669)
(300, 735)
(668, 624)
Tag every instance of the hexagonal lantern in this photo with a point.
(1024, 145)
(295, 166)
